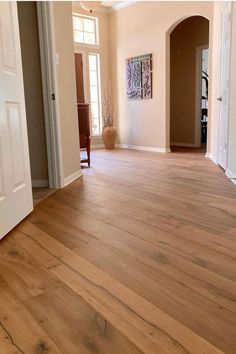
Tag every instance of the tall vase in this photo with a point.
(109, 135)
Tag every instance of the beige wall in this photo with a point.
(64, 47)
(27, 12)
(185, 38)
(139, 29)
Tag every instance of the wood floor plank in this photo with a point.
(6, 343)
(40, 254)
(129, 224)
(215, 287)
(75, 326)
(23, 334)
(130, 313)
(149, 277)
(161, 287)
(208, 257)
(179, 208)
(138, 256)
(22, 271)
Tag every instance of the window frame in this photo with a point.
(98, 67)
(96, 30)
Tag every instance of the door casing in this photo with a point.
(223, 160)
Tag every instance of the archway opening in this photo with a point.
(189, 82)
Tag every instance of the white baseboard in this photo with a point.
(72, 177)
(234, 181)
(97, 146)
(94, 146)
(211, 157)
(230, 174)
(143, 148)
(40, 183)
(185, 144)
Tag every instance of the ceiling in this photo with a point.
(112, 3)
(108, 6)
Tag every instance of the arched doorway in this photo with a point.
(189, 79)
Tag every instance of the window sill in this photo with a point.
(86, 46)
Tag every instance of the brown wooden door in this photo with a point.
(79, 77)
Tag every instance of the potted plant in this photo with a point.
(109, 133)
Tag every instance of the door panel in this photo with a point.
(7, 39)
(15, 179)
(224, 86)
(79, 77)
(2, 185)
(16, 144)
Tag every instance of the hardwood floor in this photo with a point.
(139, 256)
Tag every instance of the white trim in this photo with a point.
(94, 146)
(49, 77)
(43, 60)
(40, 183)
(122, 5)
(143, 148)
(211, 157)
(97, 146)
(234, 181)
(185, 144)
(98, 72)
(227, 4)
(72, 177)
(230, 174)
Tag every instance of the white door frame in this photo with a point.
(198, 95)
(50, 90)
(228, 3)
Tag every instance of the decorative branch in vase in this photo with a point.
(109, 133)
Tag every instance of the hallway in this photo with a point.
(138, 256)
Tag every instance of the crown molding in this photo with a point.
(122, 5)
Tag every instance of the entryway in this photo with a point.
(189, 83)
(36, 114)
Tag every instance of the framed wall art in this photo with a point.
(139, 77)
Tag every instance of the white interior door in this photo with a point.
(224, 86)
(15, 181)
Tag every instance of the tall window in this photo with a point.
(85, 29)
(94, 89)
(86, 43)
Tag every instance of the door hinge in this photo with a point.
(53, 96)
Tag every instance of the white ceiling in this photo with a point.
(108, 6)
(116, 5)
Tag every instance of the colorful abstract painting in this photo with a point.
(139, 77)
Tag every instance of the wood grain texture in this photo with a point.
(137, 257)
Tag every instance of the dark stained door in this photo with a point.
(79, 77)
